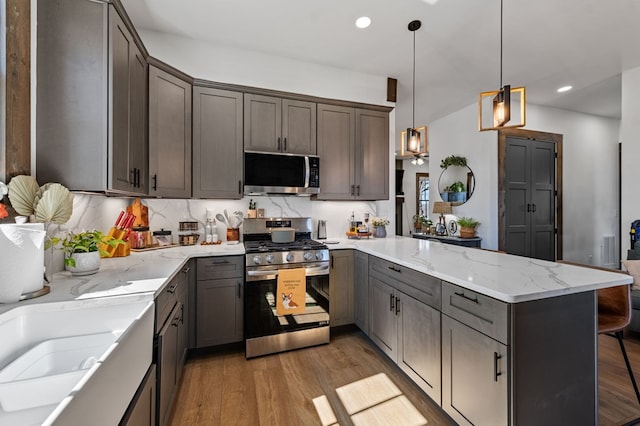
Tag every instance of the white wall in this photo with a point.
(590, 173)
(630, 138)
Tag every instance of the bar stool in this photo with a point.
(614, 314)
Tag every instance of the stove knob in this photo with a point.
(308, 256)
(257, 260)
(319, 255)
(270, 258)
(290, 257)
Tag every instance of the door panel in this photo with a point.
(382, 319)
(336, 145)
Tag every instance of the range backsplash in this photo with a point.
(100, 212)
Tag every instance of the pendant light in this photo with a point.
(501, 105)
(412, 141)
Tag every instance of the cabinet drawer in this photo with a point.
(211, 268)
(165, 301)
(416, 284)
(482, 313)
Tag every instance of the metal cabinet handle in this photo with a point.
(182, 314)
(239, 290)
(394, 269)
(172, 289)
(358, 190)
(285, 145)
(239, 187)
(175, 321)
(397, 305)
(279, 146)
(391, 300)
(186, 270)
(533, 206)
(496, 373)
(464, 296)
(132, 180)
(155, 182)
(353, 190)
(331, 265)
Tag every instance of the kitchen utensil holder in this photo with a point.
(233, 234)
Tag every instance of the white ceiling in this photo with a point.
(547, 44)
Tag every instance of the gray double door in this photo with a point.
(529, 207)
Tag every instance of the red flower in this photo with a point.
(3, 211)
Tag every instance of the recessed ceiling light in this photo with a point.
(363, 22)
(564, 89)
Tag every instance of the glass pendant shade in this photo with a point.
(502, 107)
(413, 143)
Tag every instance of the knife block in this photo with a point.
(120, 250)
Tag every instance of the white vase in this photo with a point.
(86, 263)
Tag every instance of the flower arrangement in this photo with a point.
(379, 221)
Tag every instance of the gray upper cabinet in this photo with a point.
(217, 143)
(169, 135)
(92, 98)
(353, 145)
(273, 124)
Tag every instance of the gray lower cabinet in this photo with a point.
(217, 143)
(169, 135)
(475, 376)
(361, 290)
(341, 287)
(142, 410)
(92, 99)
(172, 325)
(219, 300)
(273, 124)
(405, 321)
(353, 145)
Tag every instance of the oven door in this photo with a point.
(260, 314)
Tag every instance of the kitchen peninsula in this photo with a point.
(535, 320)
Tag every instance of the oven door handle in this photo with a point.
(317, 270)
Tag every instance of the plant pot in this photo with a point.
(86, 263)
(379, 232)
(467, 232)
(458, 197)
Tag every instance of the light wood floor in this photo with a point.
(226, 389)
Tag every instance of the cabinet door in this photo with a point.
(142, 411)
(183, 326)
(217, 143)
(138, 144)
(167, 365)
(382, 317)
(336, 148)
(361, 282)
(262, 123)
(169, 135)
(298, 127)
(219, 312)
(341, 288)
(372, 155)
(419, 344)
(120, 52)
(474, 376)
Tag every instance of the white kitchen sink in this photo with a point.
(64, 363)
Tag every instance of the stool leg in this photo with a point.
(626, 361)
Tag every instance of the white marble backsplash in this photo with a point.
(100, 212)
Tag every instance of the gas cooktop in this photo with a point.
(267, 246)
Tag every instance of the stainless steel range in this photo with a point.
(266, 331)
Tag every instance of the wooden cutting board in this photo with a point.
(141, 211)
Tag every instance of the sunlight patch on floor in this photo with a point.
(375, 400)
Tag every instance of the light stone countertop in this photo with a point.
(504, 277)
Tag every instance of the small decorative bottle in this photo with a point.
(208, 231)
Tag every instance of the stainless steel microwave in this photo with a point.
(271, 173)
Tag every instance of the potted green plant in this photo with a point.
(458, 193)
(453, 160)
(82, 251)
(468, 226)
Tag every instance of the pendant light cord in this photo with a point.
(501, 6)
(414, 80)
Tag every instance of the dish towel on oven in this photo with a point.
(291, 291)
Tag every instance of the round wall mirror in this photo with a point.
(457, 182)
